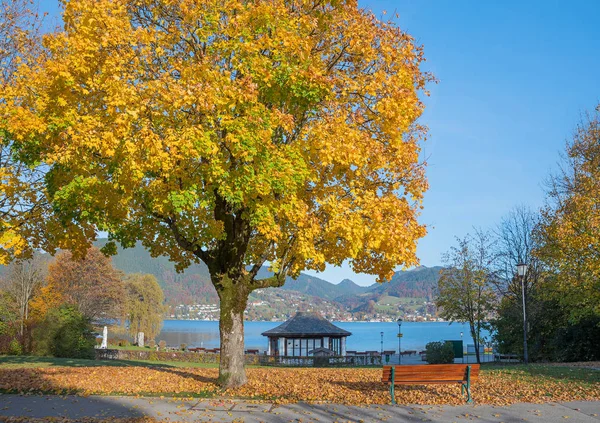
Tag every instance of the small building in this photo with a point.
(305, 333)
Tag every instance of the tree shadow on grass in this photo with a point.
(36, 361)
(28, 363)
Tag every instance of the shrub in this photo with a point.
(162, 344)
(15, 347)
(65, 332)
(152, 343)
(121, 342)
(439, 353)
(183, 347)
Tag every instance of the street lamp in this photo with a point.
(381, 343)
(522, 271)
(462, 347)
(399, 321)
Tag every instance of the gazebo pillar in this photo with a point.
(343, 346)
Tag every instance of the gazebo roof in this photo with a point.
(306, 324)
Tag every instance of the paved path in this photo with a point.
(72, 407)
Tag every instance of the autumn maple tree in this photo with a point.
(230, 132)
(22, 202)
(569, 233)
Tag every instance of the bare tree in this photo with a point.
(24, 279)
(515, 243)
(465, 286)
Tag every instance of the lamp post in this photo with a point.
(381, 343)
(399, 321)
(463, 347)
(522, 271)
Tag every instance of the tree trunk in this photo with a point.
(234, 297)
(475, 335)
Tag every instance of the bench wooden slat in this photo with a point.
(430, 367)
(434, 382)
(426, 377)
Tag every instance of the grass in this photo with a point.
(30, 362)
(541, 372)
(129, 348)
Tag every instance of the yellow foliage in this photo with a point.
(569, 234)
(301, 118)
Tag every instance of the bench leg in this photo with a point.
(393, 382)
(467, 385)
(463, 387)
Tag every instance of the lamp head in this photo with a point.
(399, 321)
(521, 269)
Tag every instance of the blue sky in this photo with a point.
(514, 78)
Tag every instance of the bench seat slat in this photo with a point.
(427, 367)
(427, 379)
(433, 382)
(429, 376)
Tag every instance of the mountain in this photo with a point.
(193, 286)
(416, 283)
(408, 292)
(349, 287)
(419, 283)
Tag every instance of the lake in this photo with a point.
(366, 336)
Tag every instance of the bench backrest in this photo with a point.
(430, 373)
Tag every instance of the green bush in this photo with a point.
(439, 353)
(15, 347)
(120, 342)
(65, 332)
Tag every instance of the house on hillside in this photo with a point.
(306, 334)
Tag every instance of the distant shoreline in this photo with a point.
(337, 321)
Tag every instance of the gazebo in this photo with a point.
(305, 333)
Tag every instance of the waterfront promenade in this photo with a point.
(110, 408)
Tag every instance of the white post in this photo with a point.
(344, 346)
(268, 346)
(140, 339)
(104, 338)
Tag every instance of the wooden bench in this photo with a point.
(427, 374)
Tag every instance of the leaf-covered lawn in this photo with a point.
(497, 386)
